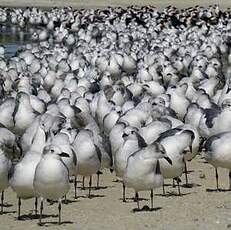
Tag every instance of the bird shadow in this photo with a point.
(34, 217)
(78, 198)
(6, 205)
(146, 209)
(133, 199)
(204, 162)
(95, 188)
(81, 188)
(7, 212)
(51, 223)
(92, 196)
(190, 185)
(102, 187)
(172, 194)
(117, 181)
(219, 190)
(72, 181)
(68, 201)
(189, 171)
(169, 185)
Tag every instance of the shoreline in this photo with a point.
(224, 4)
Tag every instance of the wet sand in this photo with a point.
(199, 207)
(104, 3)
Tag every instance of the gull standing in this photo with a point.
(217, 153)
(143, 170)
(5, 165)
(51, 180)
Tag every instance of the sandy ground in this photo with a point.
(103, 3)
(200, 207)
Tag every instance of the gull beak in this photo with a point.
(124, 135)
(190, 148)
(168, 160)
(63, 154)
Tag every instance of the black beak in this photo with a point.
(158, 172)
(124, 135)
(168, 160)
(190, 148)
(63, 154)
(201, 145)
(46, 135)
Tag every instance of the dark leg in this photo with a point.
(36, 205)
(75, 185)
(151, 195)
(83, 186)
(217, 178)
(229, 180)
(41, 212)
(124, 198)
(137, 200)
(59, 211)
(186, 172)
(19, 207)
(90, 183)
(97, 184)
(65, 199)
(173, 183)
(163, 189)
(178, 186)
(2, 202)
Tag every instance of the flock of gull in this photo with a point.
(137, 91)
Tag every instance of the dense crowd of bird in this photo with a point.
(134, 90)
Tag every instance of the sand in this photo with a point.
(103, 3)
(200, 207)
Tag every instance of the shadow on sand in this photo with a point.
(52, 223)
(219, 190)
(146, 209)
(31, 216)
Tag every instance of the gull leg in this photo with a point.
(186, 172)
(173, 183)
(83, 185)
(59, 207)
(41, 212)
(97, 184)
(75, 185)
(90, 183)
(19, 207)
(178, 186)
(163, 189)
(151, 195)
(216, 172)
(229, 180)
(124, 198)
(2, 202)
(36, 205)
(137, 200)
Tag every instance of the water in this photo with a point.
(12, 38)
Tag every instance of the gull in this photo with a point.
(217, 153)
(132, 143)
(88, 155)
(22, 174)
(175, 141)
(51, 180)
(143, 170)
(5, 165)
